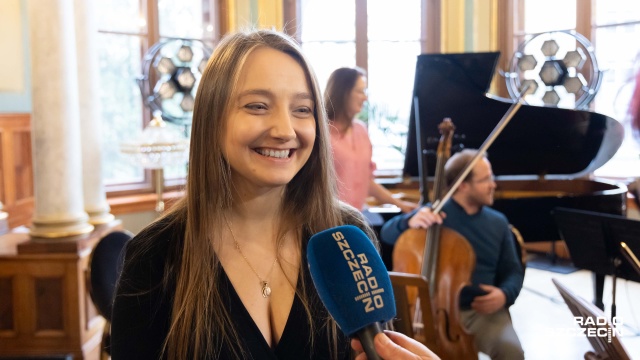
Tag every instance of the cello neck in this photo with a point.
(431, 249)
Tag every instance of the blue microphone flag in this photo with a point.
(351, 278)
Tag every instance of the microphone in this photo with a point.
(352, 282)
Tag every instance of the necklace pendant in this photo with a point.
(266, 290)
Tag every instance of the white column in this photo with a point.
(95, 199)
(59, 207)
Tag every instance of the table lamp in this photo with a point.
(158, 146)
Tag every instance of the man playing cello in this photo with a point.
(498, 275)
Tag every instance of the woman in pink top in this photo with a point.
(344, 97)
(634, 112)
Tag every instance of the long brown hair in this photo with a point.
(339, 86)
(310, 198)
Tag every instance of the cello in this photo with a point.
(444, 256)
(450, 260)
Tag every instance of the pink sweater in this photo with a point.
(352, 159)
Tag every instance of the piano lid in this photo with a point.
(541, 141)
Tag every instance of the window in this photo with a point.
(384, 38)
(616, 23)
(612, 27)
(127, 29)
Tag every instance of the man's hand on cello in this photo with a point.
(424, 218)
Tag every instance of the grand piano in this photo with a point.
(542, 158)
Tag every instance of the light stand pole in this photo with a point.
(158, 175)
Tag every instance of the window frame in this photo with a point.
(429, 37)
(511, 33)
(511, 28)
(214, 14)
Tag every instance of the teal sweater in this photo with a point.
(488, 233)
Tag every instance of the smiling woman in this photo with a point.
(222, 274)
(271, 128)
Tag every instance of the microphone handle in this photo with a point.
(366, 336)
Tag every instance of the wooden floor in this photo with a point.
(540, 314)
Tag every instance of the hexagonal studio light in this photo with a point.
(185, 79)
(171, 71)
(559, 67)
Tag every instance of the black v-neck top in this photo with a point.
(294, 342)
(142, 308)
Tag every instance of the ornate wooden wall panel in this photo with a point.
(16, 168)
(45, 308)
(6, 304)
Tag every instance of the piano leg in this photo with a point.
(598, 289)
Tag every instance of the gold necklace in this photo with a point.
(266, 289)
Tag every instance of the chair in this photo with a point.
(606, 347)
(520, 249)
(404, 288)
(105, 265)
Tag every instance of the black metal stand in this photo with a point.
(594, 241)
(614, 277)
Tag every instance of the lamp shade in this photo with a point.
(157, 146)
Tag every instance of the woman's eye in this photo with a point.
(304, 110)
(255, 106)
